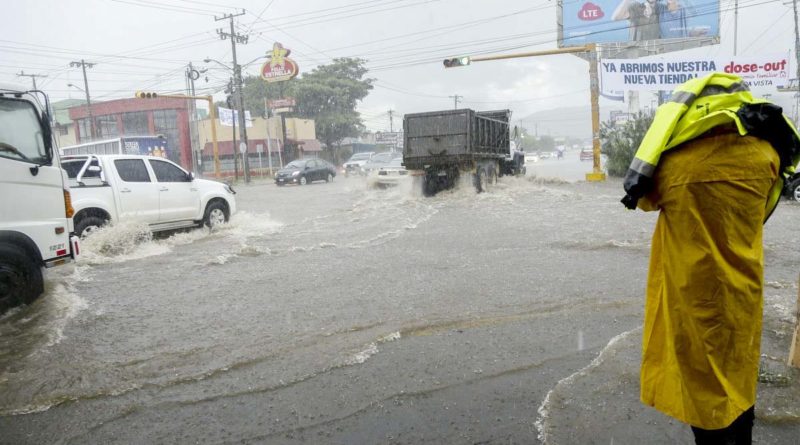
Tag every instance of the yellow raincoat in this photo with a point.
(702, 327)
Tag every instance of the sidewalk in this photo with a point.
(600, 404)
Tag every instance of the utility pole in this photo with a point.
(83, 64)
(32, 76)
(456, 100)
(232, 107)
(735, 25)
(193, 74)
(391, 121)
(237, 79)
(796, 55)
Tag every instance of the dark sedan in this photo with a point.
(305, 171)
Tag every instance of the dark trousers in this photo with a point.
(740, 432)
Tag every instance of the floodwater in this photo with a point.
(334, 313)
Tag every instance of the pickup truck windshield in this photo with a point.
(20, 132)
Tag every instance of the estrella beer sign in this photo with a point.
(279, 67)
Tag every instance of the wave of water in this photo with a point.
(130, 240)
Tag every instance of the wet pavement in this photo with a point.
(334, 313)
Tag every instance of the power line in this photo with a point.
(422, 61)
(314, 21)
(145, 4)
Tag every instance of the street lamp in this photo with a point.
(208, 60)
(75, 86)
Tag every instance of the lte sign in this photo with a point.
(590, 12)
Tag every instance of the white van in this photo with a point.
(35, 209)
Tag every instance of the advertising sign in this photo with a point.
(648, 74)
(386, 137)
(285, 102)
(619, 116)
(145, 145)
(614, 21)
(279, 67)
(226, 117)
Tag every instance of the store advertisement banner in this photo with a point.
(612, 21)
(759, 72)
(226, 117)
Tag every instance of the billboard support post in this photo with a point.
(594, 88)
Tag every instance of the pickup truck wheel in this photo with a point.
(329, 178)
(88, 224)
(21, 278)
(303, 180)
(795, 188)
(215, 215)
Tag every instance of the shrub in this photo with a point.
(620, 141)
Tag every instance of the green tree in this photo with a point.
(255, 90)
(329, 95)
(620, 141)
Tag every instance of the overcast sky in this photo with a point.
(146, 45)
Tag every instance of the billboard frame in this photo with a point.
(634, 49)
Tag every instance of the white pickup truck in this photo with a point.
(115, 188)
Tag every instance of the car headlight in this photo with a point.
(230, 189)
(295, 173)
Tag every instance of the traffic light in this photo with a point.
(456, 61)
(146, 95)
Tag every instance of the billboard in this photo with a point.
(665, 73)
(617, 21)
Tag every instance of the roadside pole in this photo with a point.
(594, 88)
(269, 143)
(259, 150)
(213, 114)
(794, 351)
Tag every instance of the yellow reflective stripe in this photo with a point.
(682, 97)
(713, 90)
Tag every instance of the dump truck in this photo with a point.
(35, 203)
(440, 147)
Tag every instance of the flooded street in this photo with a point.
(334, 313)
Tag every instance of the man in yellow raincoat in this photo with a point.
(714, 188)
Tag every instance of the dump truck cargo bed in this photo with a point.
(454, 137)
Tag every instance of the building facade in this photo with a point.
(168, 117)
(270, 142)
